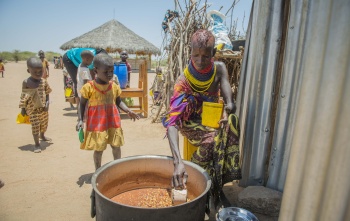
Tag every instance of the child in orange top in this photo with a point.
(45, 64)
(103, 124)
(35, 101)
(2, 67)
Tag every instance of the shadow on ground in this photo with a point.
(86, 178)
(69, 109)
(74, 114)
(30, 147)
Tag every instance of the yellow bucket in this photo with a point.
(211, 114)
(189, 149)
(22, 119)
(68, 92)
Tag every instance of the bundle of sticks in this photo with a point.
(191, 15)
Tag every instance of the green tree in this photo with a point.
(16, 55)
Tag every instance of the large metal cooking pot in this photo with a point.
(146, 171)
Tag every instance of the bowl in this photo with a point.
(235, 214)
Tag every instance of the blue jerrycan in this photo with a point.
(120, 70)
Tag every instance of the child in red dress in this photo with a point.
(103, 124)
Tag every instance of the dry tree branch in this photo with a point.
(177, 42)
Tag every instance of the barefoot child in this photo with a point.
(35, 100)
(103, 124)
(68, 87)
(83, 74)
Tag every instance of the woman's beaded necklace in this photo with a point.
(199, 82)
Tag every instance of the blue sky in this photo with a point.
(33, 25)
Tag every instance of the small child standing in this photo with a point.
(124, 56)
(35, 101)
(103, 123)
(83, 74)
(68, 87)
(2, 67)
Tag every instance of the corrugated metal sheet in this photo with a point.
(293, 104)
(318, 177)
(256, 89)
(278, 40)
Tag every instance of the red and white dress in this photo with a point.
(103, 124)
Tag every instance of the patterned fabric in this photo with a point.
(103, 124)
(39, 120)
(34, 100)
(218, 151)
(102, 117)
(186, 103)
(197, 83)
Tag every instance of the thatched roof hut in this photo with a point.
(113, 37)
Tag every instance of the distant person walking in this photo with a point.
(45, 63)
(2, 67)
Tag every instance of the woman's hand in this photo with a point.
(230, 108)
(179, 176)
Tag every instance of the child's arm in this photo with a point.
(125, 108)
(81, 112)
(86, 76)
(47, 68)
(47, 91)
(23, 102)
(47, 103)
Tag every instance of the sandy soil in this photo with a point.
(55, 184)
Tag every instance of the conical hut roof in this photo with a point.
(113, 37)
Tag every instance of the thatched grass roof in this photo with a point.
(113, 37)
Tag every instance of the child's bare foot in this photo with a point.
(44, 138)
(37, 149)
(72, 106)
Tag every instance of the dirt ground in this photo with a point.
(55, 184)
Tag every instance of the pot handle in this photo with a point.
(93, 204)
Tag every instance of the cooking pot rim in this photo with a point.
(101, 169)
